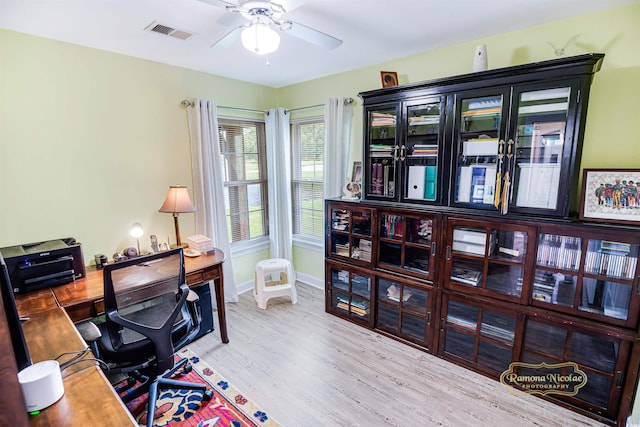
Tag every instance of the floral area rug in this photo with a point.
(228, 408)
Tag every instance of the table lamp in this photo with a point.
(137, 231)
(177, 202)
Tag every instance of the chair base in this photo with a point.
(156, 385)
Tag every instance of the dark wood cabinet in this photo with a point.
(466, 243)
(528, 296)
(506, 140)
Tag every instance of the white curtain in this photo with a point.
(208, 190)
(279, 176)
(337, 133)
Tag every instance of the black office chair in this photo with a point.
(150, 313)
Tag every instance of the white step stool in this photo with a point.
(274, 278)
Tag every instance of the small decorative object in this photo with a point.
(559, 51)
(351, 191)
(480, 58)
(610, 195)
(389, 78)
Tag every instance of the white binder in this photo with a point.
(415, 184)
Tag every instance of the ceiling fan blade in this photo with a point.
(290, 5)
(230, 38)
(312, 36)
(219, 3)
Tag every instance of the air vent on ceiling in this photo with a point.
(155, 27)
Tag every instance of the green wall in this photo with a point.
(91, 140)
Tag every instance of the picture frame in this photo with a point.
(389, 78)
(356, 175)
(610, 195)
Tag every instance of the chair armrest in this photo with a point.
(88, 331)
(192, 297)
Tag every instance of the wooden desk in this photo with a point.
(89, 399)
(84, 298)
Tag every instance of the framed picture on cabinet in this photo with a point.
(610, 195)
(389, 78)
(356, 175)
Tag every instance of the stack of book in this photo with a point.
(611, 259)
(363, 252)
(559, 251)
(380, 150)
(382, 119)
(465, 275)
(382, 179)
(424, 120)
(544, 285)
(358, 307)
(424, 150)
(340, 220)
(342, 249)
(200, 243)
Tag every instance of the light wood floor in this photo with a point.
(305, 367)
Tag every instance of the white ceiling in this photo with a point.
(373, 31)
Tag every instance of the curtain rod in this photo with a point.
(347, 101)
(187, 103)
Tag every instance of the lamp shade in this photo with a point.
(260, 39)
(177, 201)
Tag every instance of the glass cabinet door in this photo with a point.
(602, 357)
(350, 233)
(406, 243)
(405, 310)
(478, 336)
(383, 152)
(487, 260)
(539, 149)
(421, 153)
(480, 149)
(349, 293)
(587, 276)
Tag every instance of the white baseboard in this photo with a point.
(304, 278)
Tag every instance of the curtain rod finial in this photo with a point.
(186, 103)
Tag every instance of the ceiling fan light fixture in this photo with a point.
(259, 38)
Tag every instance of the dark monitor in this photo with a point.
(13, 320)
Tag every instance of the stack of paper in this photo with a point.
(200, 243)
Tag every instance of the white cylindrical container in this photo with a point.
(41, 384)
(480, 58)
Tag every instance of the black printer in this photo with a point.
(40, 265)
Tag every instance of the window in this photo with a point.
(242, 144)
(307, 154)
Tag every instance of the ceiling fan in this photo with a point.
(258, 35)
